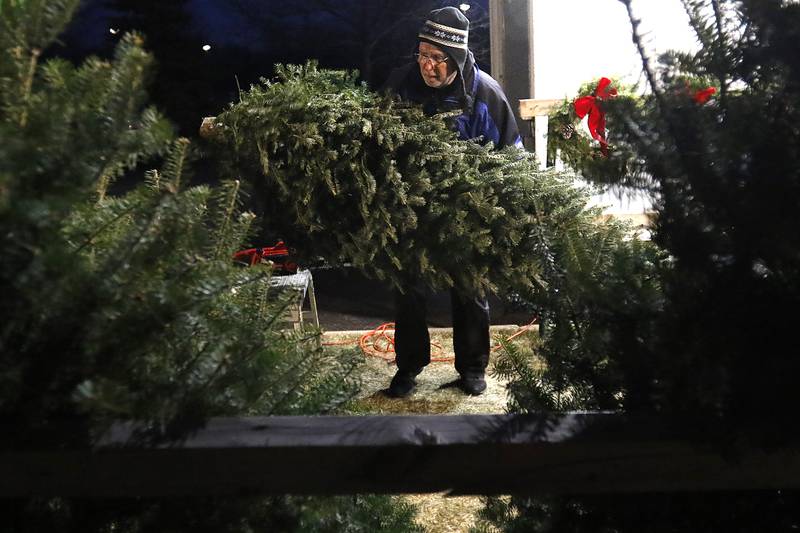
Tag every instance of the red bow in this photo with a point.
(702, 96)
(597, 117)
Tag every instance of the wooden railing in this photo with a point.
(476, 454)
(537, 111)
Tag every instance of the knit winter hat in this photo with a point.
(448, 29)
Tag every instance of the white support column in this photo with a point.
(540, 139)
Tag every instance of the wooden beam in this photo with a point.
(531, 108)
(470, 454)
(511, 41)
(638, 220)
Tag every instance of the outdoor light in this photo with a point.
(206, 47)
(113, 31)
(464, 7)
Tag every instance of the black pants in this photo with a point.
(412, 343)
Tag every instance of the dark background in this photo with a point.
(248, 37)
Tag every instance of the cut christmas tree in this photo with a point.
(354, 176)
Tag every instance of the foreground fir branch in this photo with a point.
(127, 307)
(124, 307)
(715, 140)
(200, 336)
(718, 361)
(595, 321)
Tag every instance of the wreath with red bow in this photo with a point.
(592, 105)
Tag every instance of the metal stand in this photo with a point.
(302, 283)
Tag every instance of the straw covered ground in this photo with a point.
(435, 394)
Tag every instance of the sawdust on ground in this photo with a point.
(436, 393)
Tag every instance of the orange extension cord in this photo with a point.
(378, 343)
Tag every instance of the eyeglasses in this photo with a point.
(434, 60)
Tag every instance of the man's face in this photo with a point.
(437, 68)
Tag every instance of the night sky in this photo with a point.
(218, 24)
(213, 21)
(247, 41)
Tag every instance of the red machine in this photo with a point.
(278, 256)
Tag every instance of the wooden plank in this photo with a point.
(469, 454)
(531, 108)
(641, 220)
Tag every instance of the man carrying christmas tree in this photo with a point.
(445, 78)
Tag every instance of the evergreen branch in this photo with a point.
(106, 226)
(231, 193)
(280, 377)
(27, 86)
(137, 239)
(637, 41)
(692, 10)
(200, 354)
(721, 45)
(661, 104)
(299, 380)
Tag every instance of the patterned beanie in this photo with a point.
(448, 29)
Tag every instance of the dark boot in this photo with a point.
(403, 383)
(470, 341)
(472, 383)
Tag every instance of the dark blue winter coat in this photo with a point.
(487, 115)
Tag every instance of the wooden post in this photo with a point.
(511, 38)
